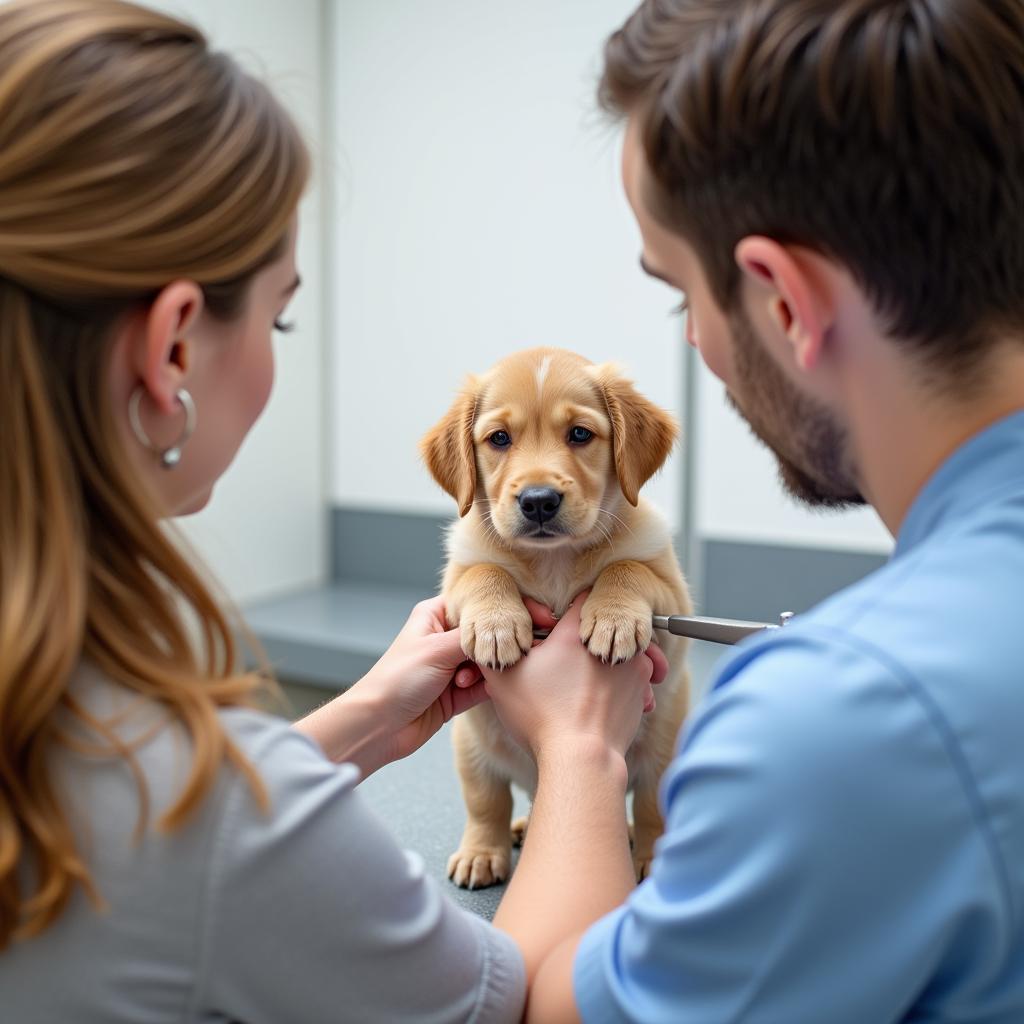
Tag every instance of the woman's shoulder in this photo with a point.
(269, 794)
(282, 757)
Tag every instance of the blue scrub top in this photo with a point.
(845, 814)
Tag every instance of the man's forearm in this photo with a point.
(575, 865)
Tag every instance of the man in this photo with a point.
(837, 186)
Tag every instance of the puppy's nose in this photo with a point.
(539, 503)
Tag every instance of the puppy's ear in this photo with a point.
(642, 434)
(448, 450)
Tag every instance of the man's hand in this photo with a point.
(559, 694)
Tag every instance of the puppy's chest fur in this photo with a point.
(554, 577)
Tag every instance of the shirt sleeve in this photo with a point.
(821, 860)
(313, 913)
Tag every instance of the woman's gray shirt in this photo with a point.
(307, 913)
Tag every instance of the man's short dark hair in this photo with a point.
(886, 134)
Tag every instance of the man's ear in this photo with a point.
(642, 433)
(786, 278)
(448, 449)
(160, 353)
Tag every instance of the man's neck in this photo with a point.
(903, 430)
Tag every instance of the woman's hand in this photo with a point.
(421, 681)
(559, 695)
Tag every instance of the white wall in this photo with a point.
(479, 211)
(265, 529)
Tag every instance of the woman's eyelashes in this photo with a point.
(681, 308)
(284, 327)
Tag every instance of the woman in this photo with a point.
(166, 851)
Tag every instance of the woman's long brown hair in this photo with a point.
(131, 155)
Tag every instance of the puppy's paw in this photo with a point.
(642, 864)
(476, 867)
(615, 631)
(519, 830)
(496, 637)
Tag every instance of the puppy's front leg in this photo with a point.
(615, 621)
(647, 822)
(494, 626)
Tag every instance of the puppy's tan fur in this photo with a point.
(605, 536)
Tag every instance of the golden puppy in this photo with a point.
(545, 455)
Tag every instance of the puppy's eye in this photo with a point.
(500, 439)
(579, 435)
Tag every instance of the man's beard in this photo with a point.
(811, 448)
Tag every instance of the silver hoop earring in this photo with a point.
(169, 457)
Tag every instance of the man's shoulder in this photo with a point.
(808, 691)
(876, 675)
(901, 692)
(968, 568)
(924, 622)
(814, 740)
(931, 636)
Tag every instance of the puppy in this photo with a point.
(545, 455)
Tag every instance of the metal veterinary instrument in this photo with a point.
(699, 627)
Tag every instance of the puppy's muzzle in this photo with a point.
(539, 504)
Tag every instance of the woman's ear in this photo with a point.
(448, 450)
(784, 278)
(161, 354)
(642, 433)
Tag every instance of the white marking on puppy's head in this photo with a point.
(542, 372)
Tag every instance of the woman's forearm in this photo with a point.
(348, 728)
(575, 865)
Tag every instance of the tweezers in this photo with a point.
(699, 627)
